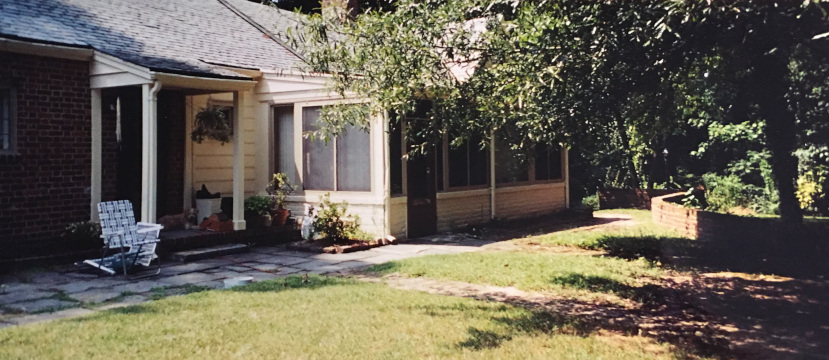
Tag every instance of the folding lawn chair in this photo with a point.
(135, 243)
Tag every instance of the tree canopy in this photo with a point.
(599, 75)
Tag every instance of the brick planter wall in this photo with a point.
(629, 198)
(749, 233)
(46, 185)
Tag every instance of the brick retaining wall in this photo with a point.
(750, 233)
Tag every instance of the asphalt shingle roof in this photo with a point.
(177, 36)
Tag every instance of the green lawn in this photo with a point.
(644, 228)
(323, 319)
(562, 274)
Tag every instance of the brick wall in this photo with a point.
(47, 184)
(677, 217)
(750, 234)
(629, 198)
(456, 210)
(515, 202)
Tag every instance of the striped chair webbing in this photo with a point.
(117, 216)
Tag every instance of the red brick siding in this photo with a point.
(675, 216)
(47, 184)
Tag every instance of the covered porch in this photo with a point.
(141, 146)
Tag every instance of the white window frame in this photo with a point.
(375, 139)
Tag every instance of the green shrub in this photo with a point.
(723, 193)
(333, 222)
(84, 234)
(259, 204)
(591, 202)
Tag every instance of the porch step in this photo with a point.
(209, 252)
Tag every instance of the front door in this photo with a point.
(422, 204)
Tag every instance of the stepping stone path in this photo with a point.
(70, 291)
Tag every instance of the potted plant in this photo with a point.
(211, 123)
(259, 206)
(279, 188)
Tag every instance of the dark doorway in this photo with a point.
(422, 202)
(129, 174)
(171, 137)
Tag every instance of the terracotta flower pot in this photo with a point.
(280, 216)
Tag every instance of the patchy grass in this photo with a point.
(588, 238)
(322, 318)
(566, 275)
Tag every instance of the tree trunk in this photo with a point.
(780, 131)
(628, 154)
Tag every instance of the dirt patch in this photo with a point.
(330, 247)
(530, 246)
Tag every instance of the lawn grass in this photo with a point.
(560, 274)
(321, 318)
(644, 228)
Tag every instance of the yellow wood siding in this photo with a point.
(528, 201)
(463, 208)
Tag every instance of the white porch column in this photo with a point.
(97, 126)
(149, 151)
(239, 101)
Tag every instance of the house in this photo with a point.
(98, 98)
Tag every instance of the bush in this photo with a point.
(84, 234)
(591, 202)
(333, 222)
(259, 204)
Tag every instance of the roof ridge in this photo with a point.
(261, 28)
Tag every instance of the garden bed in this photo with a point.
(330, 247)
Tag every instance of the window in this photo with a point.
(547, 162)
(513, 166)
(8, 125)
(283, 117)
(467, 165)
(342, 164)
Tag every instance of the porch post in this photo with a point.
(492, 177)
(149, 151)
(95, 183)
(238, 161)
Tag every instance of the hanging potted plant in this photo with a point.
(279, 188)
(211, 123)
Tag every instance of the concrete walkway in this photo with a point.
(46, 295)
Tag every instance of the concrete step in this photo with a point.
(209, 252)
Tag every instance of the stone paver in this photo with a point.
(284, 260)
(186, 268)
(138, 287)
(95, 295)
(24, 295)
(41, 305)
(190, 278)
(36, 291)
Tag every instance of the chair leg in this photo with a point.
(123, 259)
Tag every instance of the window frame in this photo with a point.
(531, 173)
(299, 150)
(12, 120)
(446, 168)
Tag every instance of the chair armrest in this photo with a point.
(144, 228)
